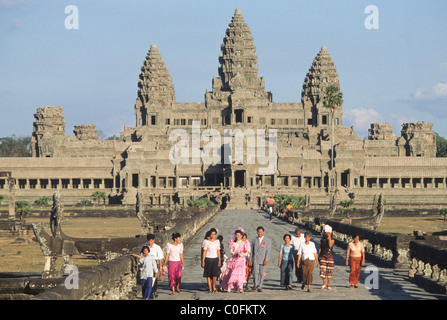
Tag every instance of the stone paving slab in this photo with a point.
(392, 285)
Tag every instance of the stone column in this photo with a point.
(11, 200)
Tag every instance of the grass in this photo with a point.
(407, 225)
(27, 257)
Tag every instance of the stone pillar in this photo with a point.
(11, 200)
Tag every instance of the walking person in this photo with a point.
(308, 253)
(235, 274)
(285, 262)
(174, 255)
(326, 257)
(297, 240)
(223, 259)
(271, 212)
(248, 269)
(211, 261)
(260, 253)
(148, 271)
(355, 258)
(157, 253)
(207, 237)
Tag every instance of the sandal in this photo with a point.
(323, 286)
(329, 288)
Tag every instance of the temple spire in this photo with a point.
(238, 62)
(155, 83)
(155, 87)
(321, 73)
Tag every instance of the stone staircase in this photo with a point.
(237, 200)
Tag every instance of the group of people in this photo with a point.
(299, 250)
(152, 267)
(247, 259)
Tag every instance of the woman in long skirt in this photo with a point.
(308, 253)
(285, 262)
(174, 254)
(355, 258)
(235, 274)
(326, 257)
(211, 260)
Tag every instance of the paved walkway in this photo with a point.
(391, 285)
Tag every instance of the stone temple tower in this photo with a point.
(321, 74)
(49, 129)
(155, 91)
(238, 91)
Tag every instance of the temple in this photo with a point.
(404, 169)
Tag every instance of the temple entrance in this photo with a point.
(345, 179)
(239, 179)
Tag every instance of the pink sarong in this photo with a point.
(175, 273)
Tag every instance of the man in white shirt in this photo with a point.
(157, 253)
(297, 240)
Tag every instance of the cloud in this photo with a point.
(432, 100)
(13, 3)
(361, 119)
(18, 24)
(438, 91)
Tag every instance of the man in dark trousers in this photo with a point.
(260, 252)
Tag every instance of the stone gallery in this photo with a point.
(238, 107)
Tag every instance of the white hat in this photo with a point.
(327, 228)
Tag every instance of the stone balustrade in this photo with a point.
(117, 279)
(428, 264)
(387, 249)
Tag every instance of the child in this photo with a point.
(148, 271)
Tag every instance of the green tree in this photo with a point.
(2, 198)
(43, 201)
(332, 97)
(345, 206)
(443, 213)
(23, 208)
(99, 195)
(283, 200)
(441, 146)
(200, 203)
(15, 146)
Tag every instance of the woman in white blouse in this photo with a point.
(174, 254)
(307, 252)
(211, 260)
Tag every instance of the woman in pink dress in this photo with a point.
(174, 254)
(235, 274)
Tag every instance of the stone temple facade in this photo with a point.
(403, 168)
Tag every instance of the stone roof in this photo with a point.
(321, 73)
(155, 80)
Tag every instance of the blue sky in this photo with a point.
(395, 74)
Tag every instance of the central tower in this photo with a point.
(238, 92)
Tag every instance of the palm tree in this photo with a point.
(332, 97)
(99, 195)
